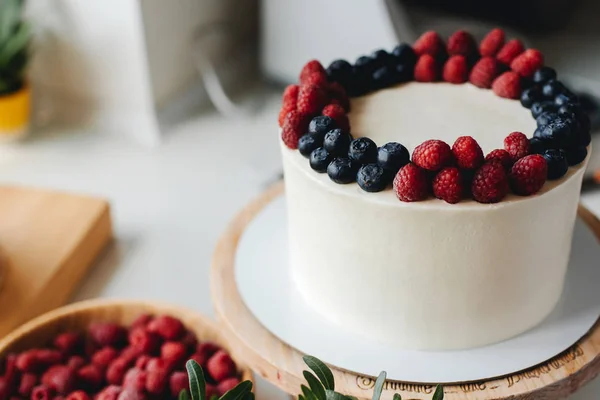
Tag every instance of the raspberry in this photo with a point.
(145, 342)
(226, 385)
(517, 145)
(116, 371)
(69, 342)
(338, 114)
(507, 85)
(130, 354)
(490, 183)
(411, 183)
(502, 156)
(461, 43)
(426, 69)
(78, 395)
(429, 43)
(90, 348)
(109, 393)
(294, 127)
(76, 362)
(179, 381)
(285, 110)
(91, 375)
(432, 155)
(156, 364)
(220, 366)
(467, 153)
(211, 391)
(311, 99)
(28, 382)
(104, 357)
(336, 92)
(48, 357)
(309, 68)
(108, 334)
(167, 327)
(157, 381)
(42, 392)
(492, 43)
(143, 320)
(131, 394)
(4, 388)
(456, 69)
(135, 378)
(142, 361)
(189, 341)
(526, 63)
(173, 353)
(60, 378)
(316, 78)
(204, 351)
(11, 373)
(509, 51)
(290, 95)
(484, 72)
(28, 361)
(448, 185)
(528, 174)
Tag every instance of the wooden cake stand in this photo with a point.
(282, 365)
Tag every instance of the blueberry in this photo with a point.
(342, 170)
(568, 109)
(363, 150)
(320, 159)
(552, 88)
(557, 163)
(538, 145)
(540, 107)
(336, 142)
(372, 178)
(584, 138)
(530, 96)
(321, 125)
(545, 118)
(405, 54)
(380, 57)
(404, 72)
(340, 71)
(559, 130)
(565, 98)
(383, 77)
(393, 156)
(365, 64)
(308, 143)
(576, 155)
(543, 75)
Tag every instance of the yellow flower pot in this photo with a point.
(14, 113)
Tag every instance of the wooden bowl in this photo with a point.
(40, 331)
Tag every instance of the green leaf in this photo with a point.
(16, 43)
(10, 15)
(300, 397)
(352, 398)
(331, 395)
(308, 395)
(439, 393)
(379, 385)
(316, 386)
(238, 392)
(397, 396)
(197, 382)
(249, 396)
(183, 395)
(321, 370)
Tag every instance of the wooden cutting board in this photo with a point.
(48, 240)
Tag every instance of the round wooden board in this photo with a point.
(282, 365)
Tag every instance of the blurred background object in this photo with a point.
(15, 35)
(131, 66)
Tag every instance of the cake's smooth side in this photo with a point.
(428, 275)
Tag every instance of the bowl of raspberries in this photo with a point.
(114, 350)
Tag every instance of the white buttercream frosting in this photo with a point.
(430, 275)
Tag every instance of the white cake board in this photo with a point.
(264, 283)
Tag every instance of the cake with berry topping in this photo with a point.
(432, 190)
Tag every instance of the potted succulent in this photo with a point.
(15, 37)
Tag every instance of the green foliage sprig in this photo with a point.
(15, 37)
(321, 385)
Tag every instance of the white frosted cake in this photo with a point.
(448, 249)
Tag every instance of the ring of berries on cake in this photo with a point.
(314, 120)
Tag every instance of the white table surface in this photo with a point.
(169, 204)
